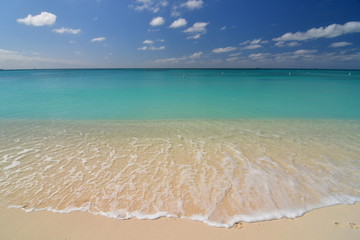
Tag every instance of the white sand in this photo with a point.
(336, 222)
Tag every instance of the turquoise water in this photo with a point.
(179, 94)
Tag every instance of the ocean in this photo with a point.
(213, 145)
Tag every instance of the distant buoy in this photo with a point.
(222, 73)
(349, 73)
(289, 74)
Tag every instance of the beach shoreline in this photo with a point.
(335, 222)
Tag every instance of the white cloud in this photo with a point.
(44, 18)
(3, 51)
(158, 21)
(149, 45)
(153, 6)
(67, 30)
(144, 48)
(198, 27)
(285, 44)
(197, 36)
(294, 44)
(259, 56)
(148, 42)
(181, 22)
(254, 42)
(99, 39)
(280, 44)
(340, 44)
(252, 46)
(197, 30)
(176, 10)
(303, 51)
(195, 55)
(223, 50)
(223, 28)
(193, 4)
(331, 31)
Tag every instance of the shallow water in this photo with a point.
(216, 171)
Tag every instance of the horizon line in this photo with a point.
(174, 68)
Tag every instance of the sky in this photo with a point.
(179, 33)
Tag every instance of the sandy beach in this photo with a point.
(336, 222)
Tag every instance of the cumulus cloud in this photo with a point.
(181, 22)
(158, 21)
(331, 31)
(195, 55)
(253, 44)
(198, 27)
(148, 42)
(176, 10)
(197, 30)
(67, 30)
(340, 44)
(144, 48)
(153, 6)
(193, 4)
(223, 50)
(149, 45)
(98, 39)
(42, 19)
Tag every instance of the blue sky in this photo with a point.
(179, 33)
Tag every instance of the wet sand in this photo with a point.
(336, 222)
